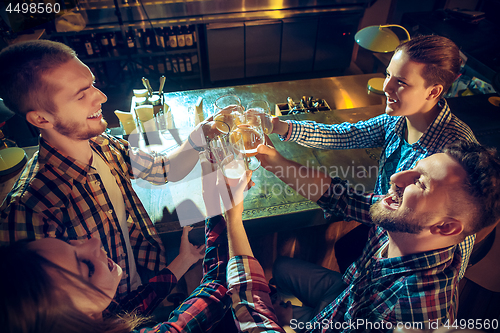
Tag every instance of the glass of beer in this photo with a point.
(262, 107)
(220, 135)
(249, 129)
(230, 157)
(227, 108)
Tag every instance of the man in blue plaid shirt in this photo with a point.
(409, 270)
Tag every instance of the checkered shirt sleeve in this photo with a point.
(209, 302)
(249, 291)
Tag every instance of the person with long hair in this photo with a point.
(50, 285)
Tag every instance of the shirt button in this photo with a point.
(110, 211)
(98, 183)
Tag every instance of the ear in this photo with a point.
(40, 119)
(435, 91)
(449, 227)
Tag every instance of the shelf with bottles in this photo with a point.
(137, 42)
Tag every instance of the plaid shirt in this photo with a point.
(209, 302)
(249, 291)
(420, 287)
(387, 132)
(145, 299)
(57, 196)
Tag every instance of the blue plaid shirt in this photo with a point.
(387, 132)
(382, 292)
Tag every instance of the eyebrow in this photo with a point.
(85, 88)
(427, 179)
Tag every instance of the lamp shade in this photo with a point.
(377, 39)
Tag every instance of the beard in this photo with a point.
(76, 131)
(402, 220)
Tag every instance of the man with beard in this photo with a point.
(78, 185)
(409, 270)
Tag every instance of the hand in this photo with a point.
(284, 311)
(279, 126)
(270, 159)
(236, 193)
(189, 252)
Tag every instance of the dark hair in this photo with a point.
(30, 301)
(439, 54)
(482, 183)
(22, 66)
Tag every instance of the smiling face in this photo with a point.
(420, 198)
(404, 87)
(78, 113)
(87, 261)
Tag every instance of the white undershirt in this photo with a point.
(116, 197)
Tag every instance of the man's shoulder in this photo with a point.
(35, 180)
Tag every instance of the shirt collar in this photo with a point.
(383, 267)
(433, 131)
(68, 167)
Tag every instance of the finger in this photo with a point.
(186, 230)
(264, 149)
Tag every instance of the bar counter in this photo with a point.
(270, 205)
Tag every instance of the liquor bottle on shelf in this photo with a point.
(130, 40)
(182, 65)
(172, 38)
(175, 66)
(113, 45)
(160, 65)
(193, 31)
(95, 45)
(187, 60)
(88, 46)
(168, 65)
(194, 62)
(160, 38)
(181, 41)
(188, 36)
(146, 34)
(139, 40)
(104, 44)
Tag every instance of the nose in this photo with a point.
(91, 246)
(404, 178)
(387, 86)
(100, 96)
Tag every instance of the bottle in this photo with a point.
(168, 65)
(161, 65)
(194, 61)
(88, 46)
(188, 36)
(112, 42)
(147, 38)
(172, 38)
(130, 40)
(187, 60)
(139, 39)
(181, 41)
(175, 66)
(193, 31)
(182, 65)
(95, 46)
(161, 35)
(105, 44)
